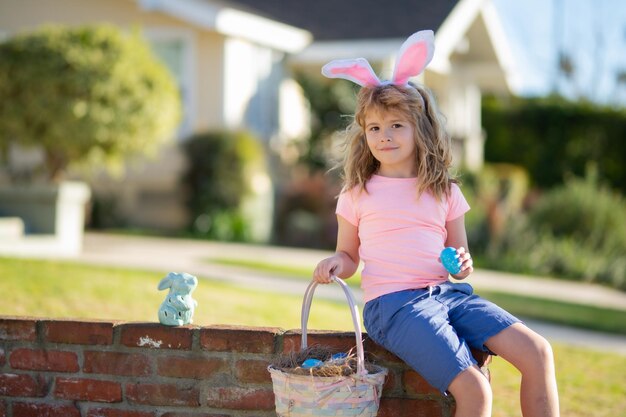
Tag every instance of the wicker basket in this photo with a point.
(306, 396)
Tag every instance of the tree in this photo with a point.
(89, 94)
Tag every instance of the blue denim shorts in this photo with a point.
(432, 329)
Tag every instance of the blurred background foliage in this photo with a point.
(331, 104)
(552, 137)
(220, 167)
(305, 206)
(89, 95)
(576, 230)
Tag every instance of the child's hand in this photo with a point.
(467, 264)
(325, 269)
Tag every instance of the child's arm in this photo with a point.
(457, 238)
(345, 261)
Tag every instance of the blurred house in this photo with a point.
(234, 62)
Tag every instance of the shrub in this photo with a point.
(585, 211)
(84, 94)
(575, 231)
(221, 166)
(495, 194)
(552, 138)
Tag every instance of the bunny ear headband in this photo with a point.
(415, 53)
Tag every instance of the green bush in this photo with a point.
(495, 194)
(552, 138)
(87, 94)
(585, 211)
(220, 165)
(576, 231)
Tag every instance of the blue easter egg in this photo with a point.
(450, 260)
(311, 363)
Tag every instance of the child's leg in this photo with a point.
(532, 355)
(414, 326)
(472, 394)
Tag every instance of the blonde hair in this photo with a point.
(432, 156)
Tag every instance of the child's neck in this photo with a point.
(396, 173)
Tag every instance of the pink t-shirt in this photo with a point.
(401, 236)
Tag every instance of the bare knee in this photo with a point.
(472, 393)
(523, 348)
(538, 354)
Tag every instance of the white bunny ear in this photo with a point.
(166, 282)
(415, 53)
(357, 70)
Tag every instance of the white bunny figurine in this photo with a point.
(178, 307)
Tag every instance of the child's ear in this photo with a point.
(416, 52)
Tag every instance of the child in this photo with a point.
(398, 209)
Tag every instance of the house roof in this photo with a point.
(467, 32)
(233, 20)
(331, 20)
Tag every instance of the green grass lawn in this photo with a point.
(591, 383)
(284, 271)
(62, 290)
(560, 312)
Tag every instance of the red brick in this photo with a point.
(114, 412)
(403, 407)
(238, 339)
(177, 414)
(18, 329)
(414, 384)
(342, 342)
(391, 381)
(44, 360)
(162, 394)
(117, 363)
(15, 385)
(234, 398)
(44, 410)
(378, 353)
(156, 336)
(78, 332)
(195, 368)
(252, 371)
(88, 390)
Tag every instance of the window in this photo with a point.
(175, 47)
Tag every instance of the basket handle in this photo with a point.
(354, 310)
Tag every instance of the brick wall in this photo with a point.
(70, 368)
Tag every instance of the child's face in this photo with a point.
(390, 139)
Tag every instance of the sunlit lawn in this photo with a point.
(286, 271)
(591, 383)
(62, 290)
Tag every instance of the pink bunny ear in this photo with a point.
(415, 53)
(357, 70)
